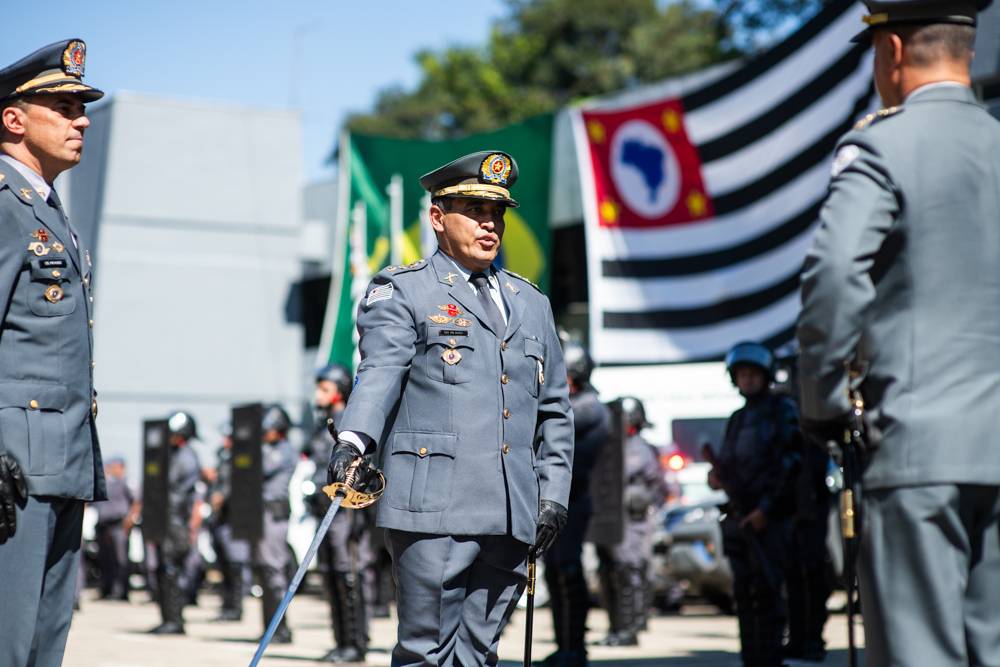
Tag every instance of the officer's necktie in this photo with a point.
(482, 286)
(55, 203)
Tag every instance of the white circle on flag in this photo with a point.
(644, 169)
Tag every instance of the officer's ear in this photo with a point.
(437, 218)
(13, 116)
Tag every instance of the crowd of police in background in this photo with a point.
(774, 524)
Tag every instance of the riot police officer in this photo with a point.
(270, 554)
(346, 553)
(624, 565)
(564, 578)
(756, 467)
(183, 473)
(233, 553)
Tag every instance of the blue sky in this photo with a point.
(325, 58)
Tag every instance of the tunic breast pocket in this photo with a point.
(449, 355)
(50, 288)
(534, 353)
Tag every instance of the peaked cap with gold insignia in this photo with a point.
(56, 68)
(484, 175)
(888, 13)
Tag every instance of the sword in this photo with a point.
(529, 619)
(341, 495)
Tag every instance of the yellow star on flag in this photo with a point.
(671, 121)
(609, 212)
(596, 132)
(696, 203)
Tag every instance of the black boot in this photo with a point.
(627, 592)
(270, 601)
(171, 604)
(347, 604)
(232, 593)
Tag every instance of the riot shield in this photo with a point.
(246, 500)
(155, 479)
(607, 484)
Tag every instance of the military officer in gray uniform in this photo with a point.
(50, 461)
(270, 555)
(347, 551)
(902, 280)
(462, 392)
(183, 474)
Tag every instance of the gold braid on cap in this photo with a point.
(876, 19)
(475, 189)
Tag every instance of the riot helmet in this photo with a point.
(339, 375)
(751, 354)
(274, 418)
(182, 424)
(634, 413)
(578, 363)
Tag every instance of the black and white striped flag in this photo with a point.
(700, 199)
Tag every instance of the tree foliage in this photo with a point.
(547, 53)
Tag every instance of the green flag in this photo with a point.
(363, 246)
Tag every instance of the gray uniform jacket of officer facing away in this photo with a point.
(905, 269)
(46, 347)
(473, 426)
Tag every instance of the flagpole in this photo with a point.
(428, 241)
(395, 192)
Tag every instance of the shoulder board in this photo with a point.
(522, 278)
(406, 268)
(877, 116)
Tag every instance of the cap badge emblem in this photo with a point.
(74, 58)
(495, 169)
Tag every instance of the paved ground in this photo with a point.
(112, 634)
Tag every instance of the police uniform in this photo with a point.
(47, 398)
(624, 565)
(469, 412)
(564, 576)
(270, 554)
(901, 279)
(348, 558)
(758, 464)
(233, 553)
(171, 553)
(112, 538)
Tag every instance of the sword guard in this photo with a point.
(352, 498)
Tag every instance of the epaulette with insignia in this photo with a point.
(877, 116)
(412, 266)
(520, 277)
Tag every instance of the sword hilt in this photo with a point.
(352, 498)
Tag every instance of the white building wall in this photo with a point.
(194, 214)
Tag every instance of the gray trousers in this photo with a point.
(455, 595)
(269, 556)
(930, 576)
(38, 568)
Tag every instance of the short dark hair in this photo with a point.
(928, 44)
(444, 203)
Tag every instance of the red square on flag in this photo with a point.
(646, 172)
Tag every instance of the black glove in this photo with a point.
(551, 519)
(12, 488)
(344, 454)
(819, 432)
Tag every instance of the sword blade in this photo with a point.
(324, 526)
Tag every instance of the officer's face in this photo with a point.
(51, 128)
(470, 231)
(750, 380)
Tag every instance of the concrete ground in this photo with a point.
(112, 634)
